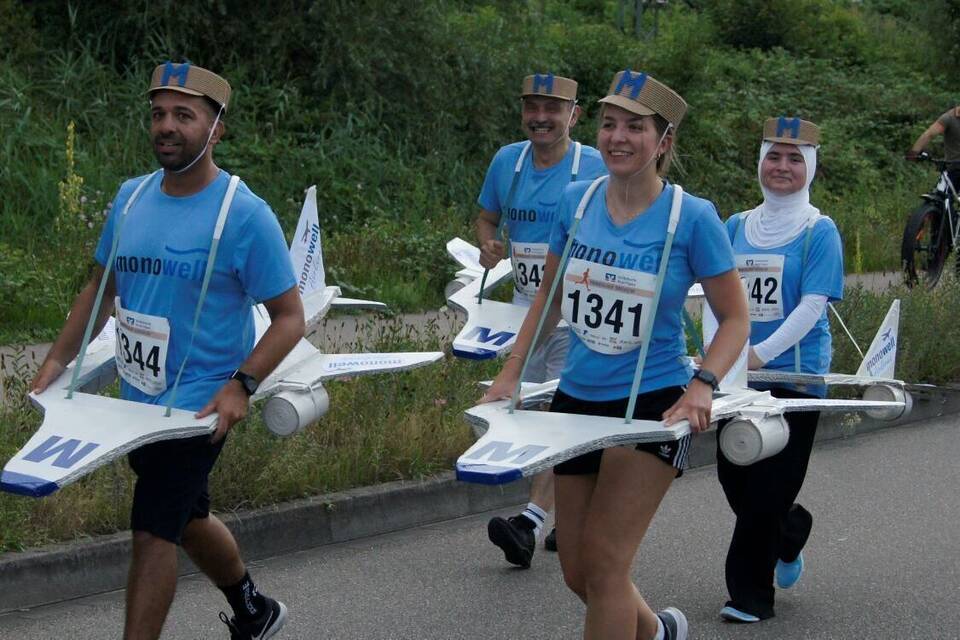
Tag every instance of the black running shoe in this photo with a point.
(674, 624)
(515, 537)
(550, 542)
(266, 626)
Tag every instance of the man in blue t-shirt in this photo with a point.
(521, 194)
(157, 242)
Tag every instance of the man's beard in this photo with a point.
(185, 155)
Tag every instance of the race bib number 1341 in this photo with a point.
(607, 307)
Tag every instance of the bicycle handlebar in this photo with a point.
(942, 164)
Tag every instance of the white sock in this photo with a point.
(661, 633)
(537, 516)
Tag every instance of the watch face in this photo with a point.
(249, 383)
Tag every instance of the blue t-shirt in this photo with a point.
(533, 209)
(700, 249)
(820, 274)
(159, 266)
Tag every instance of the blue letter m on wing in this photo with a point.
(482, 334)
(496, 451)
(66, 452)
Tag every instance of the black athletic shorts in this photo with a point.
(649, 406)
(171, 487)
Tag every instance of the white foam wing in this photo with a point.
(325, 366)
(524, 443)
(492, 326)
(86, 432)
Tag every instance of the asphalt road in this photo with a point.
(883, 562)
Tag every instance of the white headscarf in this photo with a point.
(780, 219)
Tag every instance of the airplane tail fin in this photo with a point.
(466, 254)
(881, 358)
(305, 250)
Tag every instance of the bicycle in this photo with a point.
(932, 229)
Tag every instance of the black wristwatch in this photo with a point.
(248, 382)
(706, 376)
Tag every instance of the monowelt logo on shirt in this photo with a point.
(187, 264)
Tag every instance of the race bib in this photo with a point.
(528, 260)
(142, 342)
(607, 307)
(762, 277)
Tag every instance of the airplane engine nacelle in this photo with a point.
(888, 393)
(288, 412)
(746, 440)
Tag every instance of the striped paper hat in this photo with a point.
(791, 131)
(644, 95)
(549, 85)
(192, 80)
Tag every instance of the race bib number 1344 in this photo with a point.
(141, 351)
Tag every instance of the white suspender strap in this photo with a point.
(87, 333)
(577, 148)
(505, 209)
(584, 201)
(211, 258)
(661, 276)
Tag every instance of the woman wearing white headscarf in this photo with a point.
(791, 262)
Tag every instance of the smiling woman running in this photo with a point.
(618, 233)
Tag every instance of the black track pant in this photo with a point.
(770, 526)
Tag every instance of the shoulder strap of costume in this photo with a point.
(661, 276)
(575, 169)
(808, 234)
(505, 209)
(94, 312)
(211, 258)
(581, 207)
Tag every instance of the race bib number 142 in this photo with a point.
(762, 277)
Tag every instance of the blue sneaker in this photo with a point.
(733, 614)
(788, 573)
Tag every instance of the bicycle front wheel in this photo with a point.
(925, 247)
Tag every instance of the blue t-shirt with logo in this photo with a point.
(531, 214)
(700, 249)
(820, 273)
(159, 267)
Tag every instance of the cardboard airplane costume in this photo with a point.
(82, 431)
(517, 442)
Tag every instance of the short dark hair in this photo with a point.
(215, 107)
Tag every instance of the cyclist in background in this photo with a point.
(947, 125)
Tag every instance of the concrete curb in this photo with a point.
(87, 567)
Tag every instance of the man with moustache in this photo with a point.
(198, 353)
(520, 194)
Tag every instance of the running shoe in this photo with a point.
(515, 538)
(674, 624)
(788, 574)
(550, 542)
(266, 626)
(732, 614)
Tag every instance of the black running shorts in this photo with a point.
(649, 406)
(171, 487)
